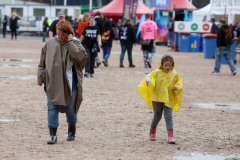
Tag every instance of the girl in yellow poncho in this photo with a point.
(162, 91)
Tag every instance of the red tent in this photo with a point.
(115, 9)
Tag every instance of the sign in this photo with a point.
(202, 27)
(134, 11)
(126, 10)
(161, 3)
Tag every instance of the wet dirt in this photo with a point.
(113, 121)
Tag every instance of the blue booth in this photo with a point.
(209, 42)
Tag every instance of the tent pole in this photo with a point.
(90, 5)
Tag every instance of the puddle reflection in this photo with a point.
(20, 77)
(218, 106)
(8, 120)
(207, 157)
(17, 60)
(16, 65)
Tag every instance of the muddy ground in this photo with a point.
(113, 121)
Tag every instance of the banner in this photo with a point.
(161, 4)
(134, 11)
(126, 10)
(201, 27)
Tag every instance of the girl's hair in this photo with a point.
(65, 27)
(45, 20)
(166, 58)
(85, 17)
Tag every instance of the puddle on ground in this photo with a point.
(17, 60)
(20, 77)
(218, 106)
(8, 120)
(207, 157)
(16, 65)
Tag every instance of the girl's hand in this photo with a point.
(147, 83)
(174, 88)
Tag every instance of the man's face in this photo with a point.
(110, 19)
(61, 18)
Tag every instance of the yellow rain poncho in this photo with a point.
(160, 89)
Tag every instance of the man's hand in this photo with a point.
(174, 88)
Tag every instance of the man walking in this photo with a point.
(224, 43)
(127, 38)
(148, 34)
(52, 28)
(4, 29)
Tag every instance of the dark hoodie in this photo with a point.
(99, 23)
(224, 36)
(108, 34)
(127, 34)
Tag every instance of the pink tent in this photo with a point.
(115, 9)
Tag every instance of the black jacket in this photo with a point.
(127, 34)
(5, 22)
(224, 36)
(99, 23)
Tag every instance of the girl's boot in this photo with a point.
(152, 134)
(170, 137)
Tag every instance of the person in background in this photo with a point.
(62, 60)
(107, 37)
(104, 18)
(84, 23)
(170, 32)
(113, 23)
(234, 29)
(14, 24)
(224, 44)
(91, 41)
(45, 28)
(4, 29)
(214, 28)
(52, 28)
(118, 27)
(99, 23)
(70, 20)
(127, 36)
(149, 34)
(76, 22)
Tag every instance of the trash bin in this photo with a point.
(183, 41)
(233, 52)
(175, 41)
(209, 42)
(201, 43)
(194, 43)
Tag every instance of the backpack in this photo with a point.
(105, 36)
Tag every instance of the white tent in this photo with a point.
(217, 9)
(203, 14)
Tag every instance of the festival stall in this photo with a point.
(115, 9)
(179, 10)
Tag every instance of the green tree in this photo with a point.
(200, 3)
